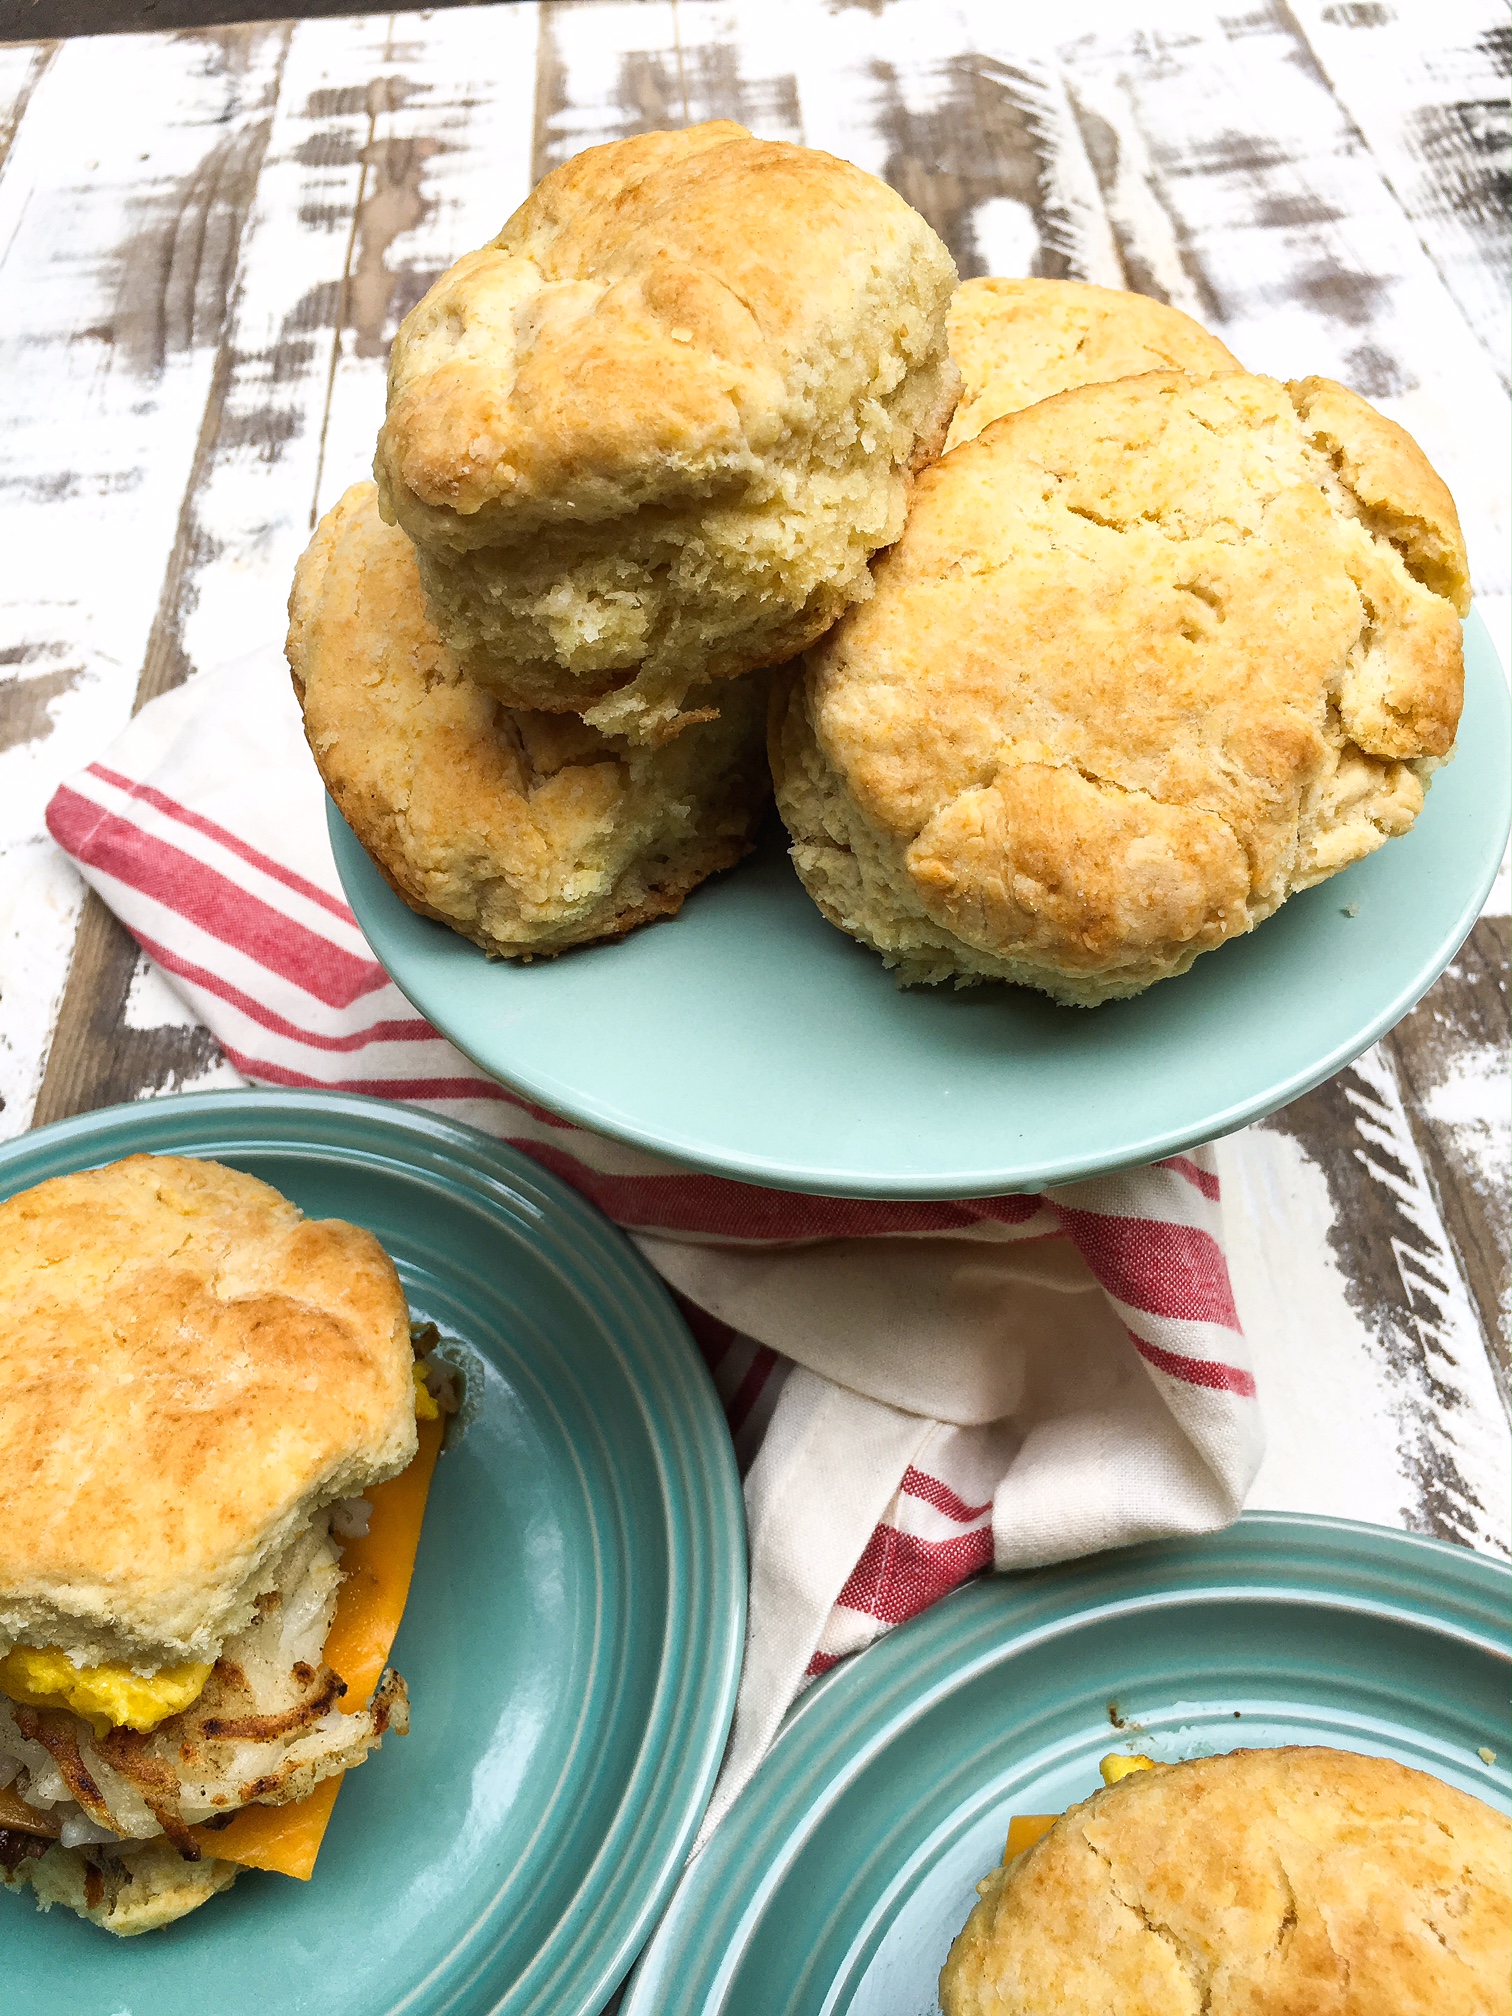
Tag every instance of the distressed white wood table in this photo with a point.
(207, 240)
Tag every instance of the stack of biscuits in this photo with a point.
(638, 449)
(1096, 647)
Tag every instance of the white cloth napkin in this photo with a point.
(917, 1391)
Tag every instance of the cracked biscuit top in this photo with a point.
(1016, 342)
(1293, 1882)
(1150, 656)
(189, 1369)
(652, 433)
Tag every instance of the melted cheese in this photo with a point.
(106, 1697)
(1115, 1767)
(1024, 1829)
(369, 1605)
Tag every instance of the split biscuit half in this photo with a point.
(526, 832)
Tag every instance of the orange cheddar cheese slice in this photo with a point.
(1024, 1829)
(369, 1605)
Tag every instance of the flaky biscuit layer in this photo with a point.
(527, 832)
(1016, 342)
(652, 433)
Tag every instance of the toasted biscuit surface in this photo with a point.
(1297, 1882)
(188, 1370)
(1016, 342)
(526, 832)
(651, 434)
(1150, 656)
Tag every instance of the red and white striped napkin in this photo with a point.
(916, 1391)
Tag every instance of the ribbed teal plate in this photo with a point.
(841, 1875)
(573, 1636)
(748, 1037)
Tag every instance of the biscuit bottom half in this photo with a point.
(526, 832)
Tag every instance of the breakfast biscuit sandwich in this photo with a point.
(525, 831)
(1016, 342)
(1150, 656)
(1292, 1882)
(202, 1565)
(652, 433)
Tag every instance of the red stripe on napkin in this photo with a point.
(718, 1208)
(918, 1484)
(211, 902)
(1164, 1269)
(899, 1574)
(253, 856)
(1208, 1372)
(409, 1030)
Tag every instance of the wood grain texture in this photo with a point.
(117, 268)
(1427, 89)
(203, 319)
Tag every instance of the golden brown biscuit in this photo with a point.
(1298, 1882)
(1019, 341)
(1149, 657)
(652, 433)
(526, 832)
(188, 1371)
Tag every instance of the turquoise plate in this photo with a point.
(573, 1636)
(750, 1038)
(839, 1878)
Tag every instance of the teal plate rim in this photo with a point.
(751, 1107)
(849, 1717)
(663, 1799)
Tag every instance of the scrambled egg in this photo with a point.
(1024, 1829)
(112, 1696)
(1116, 1767)
(425, 1405)
(107, 1697)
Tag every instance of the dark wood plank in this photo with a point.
(30, 20)
(179, 290)
(1418, 1235)
(96, 1059)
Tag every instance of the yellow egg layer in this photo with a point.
(1116, 1767)
(107, 1697)
(425, 1405)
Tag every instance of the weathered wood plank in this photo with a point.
(243, 515)
(120, 211)
(22, 65)
(314, 310)
(1240, 189)
(1361, 1422)
(1427, 88)
(983, 144)
(446, 160)
(1404, 1286)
